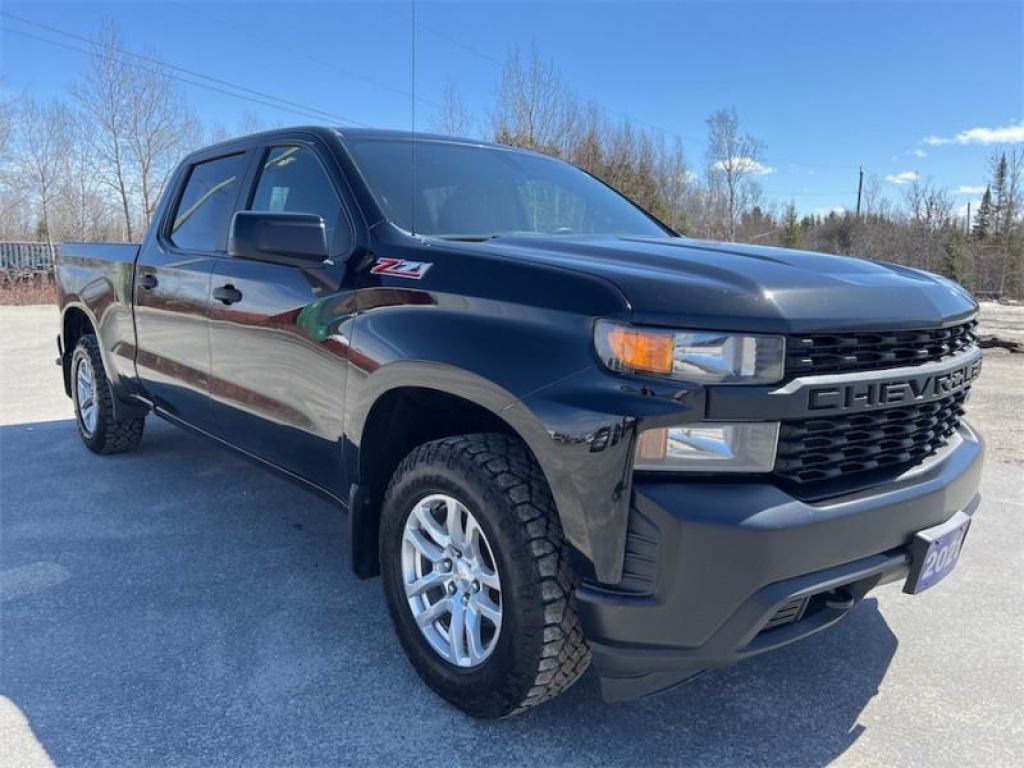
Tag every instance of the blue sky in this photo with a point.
(827, 86)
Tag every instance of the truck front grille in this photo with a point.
(819, 449)
(817, 353)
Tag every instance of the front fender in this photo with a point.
(588, 427)
(581, 429)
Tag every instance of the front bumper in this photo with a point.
(719, 571)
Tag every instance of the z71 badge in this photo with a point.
(412, 270)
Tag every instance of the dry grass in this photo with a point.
(28, 294)
(33, 288)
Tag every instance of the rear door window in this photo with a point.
(204, 211)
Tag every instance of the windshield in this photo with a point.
(467, 191)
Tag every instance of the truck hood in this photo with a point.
(727, 286)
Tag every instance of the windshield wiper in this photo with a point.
(467, 238)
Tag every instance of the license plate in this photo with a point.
(934, 553)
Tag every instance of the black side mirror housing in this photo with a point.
(298, 239)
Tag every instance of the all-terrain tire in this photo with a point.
(540, 650)
(108, 434)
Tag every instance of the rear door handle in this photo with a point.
(227, 294)
(148, 282)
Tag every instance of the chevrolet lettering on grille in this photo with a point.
(860, 396)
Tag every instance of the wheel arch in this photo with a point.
(400, 417)
(76, 322)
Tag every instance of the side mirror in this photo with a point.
(298, 239)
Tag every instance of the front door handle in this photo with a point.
(148, 282)
(227, 294)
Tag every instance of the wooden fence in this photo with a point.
(26, 257)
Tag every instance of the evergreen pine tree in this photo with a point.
(999, 194)
(954, 257)
(983, 218)
(792, 233)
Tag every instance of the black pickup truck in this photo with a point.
(560, 431)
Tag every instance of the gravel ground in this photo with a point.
(180, 606)
(997, 402)
(1003, 320)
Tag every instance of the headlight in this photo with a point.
(709, 447)
(702, 357)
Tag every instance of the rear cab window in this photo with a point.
(203, 214)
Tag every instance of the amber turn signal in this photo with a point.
(696, 357)
(634, 349)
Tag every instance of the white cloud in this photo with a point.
(965, 189)
(961, 212)
(1010, 134)
(918, 152)
(903, 177)
(746, 165)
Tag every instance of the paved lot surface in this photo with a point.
(179, 606)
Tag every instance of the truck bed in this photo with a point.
(96, 279)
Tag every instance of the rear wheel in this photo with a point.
(94, 407)
(476, 578)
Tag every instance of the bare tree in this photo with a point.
(674, 184)
(250, 122)
(43, 146)
(6, 125)
(247, 123)
(159, 129)
(83, 207)
(872, 195)
(533, 109)
(928, 204)
(733, 158)
(10, 200)
(1007, 172)
(1007, 246)
(929, 210)
(105, 94)
(452, 118)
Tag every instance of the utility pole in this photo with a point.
(860, 189)
(967, 226)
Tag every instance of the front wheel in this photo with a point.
(94, 407)
(476, 578)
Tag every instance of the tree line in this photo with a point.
(722, 199)
(92, 165)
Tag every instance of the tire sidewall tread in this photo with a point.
(111, 435)
(540, 650)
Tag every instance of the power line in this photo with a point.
(194, 10)
(296, 108)
(499, 63)
(812, 194)
(87, 52)
(263, 98)
(621, 115)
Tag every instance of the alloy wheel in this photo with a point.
(85, 391)
(451, 581)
